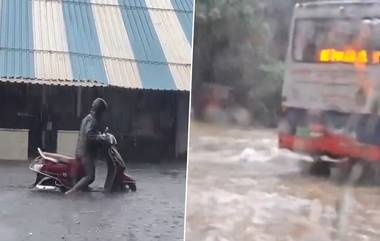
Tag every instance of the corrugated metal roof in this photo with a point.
(61, 82)
(124, 43)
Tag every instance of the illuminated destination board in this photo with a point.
(349, 56)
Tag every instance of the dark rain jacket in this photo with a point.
(89, 138)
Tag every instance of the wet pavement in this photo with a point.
(242, 187)
(154, 212)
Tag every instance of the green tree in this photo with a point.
(235, 45)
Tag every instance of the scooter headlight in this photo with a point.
(37, 167)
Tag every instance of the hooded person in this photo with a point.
(90, 139)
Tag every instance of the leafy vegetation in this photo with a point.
(242, 44)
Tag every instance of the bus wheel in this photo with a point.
(376, 170)
(341, 171)
(320, 168)
(371, 173)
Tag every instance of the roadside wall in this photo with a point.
(150, 125)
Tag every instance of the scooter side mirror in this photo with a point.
(106, 130)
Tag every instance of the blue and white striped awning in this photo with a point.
(125, 43)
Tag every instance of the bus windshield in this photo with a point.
(337, 41)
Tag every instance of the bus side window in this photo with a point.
(299, 42)
(305, 48)
(309, 54)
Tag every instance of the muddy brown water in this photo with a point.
(242, 187)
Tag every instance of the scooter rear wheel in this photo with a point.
(63, 189)
(132, 186)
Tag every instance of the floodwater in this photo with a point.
(242, 187)
(154, 212)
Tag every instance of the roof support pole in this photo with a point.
(79, 101)
(43, 112)
(44, 90)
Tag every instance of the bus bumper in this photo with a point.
(334, 145)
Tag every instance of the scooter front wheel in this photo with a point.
(39, 177)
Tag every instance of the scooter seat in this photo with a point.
(54, 157)
(60, 158)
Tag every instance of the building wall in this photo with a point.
(13, 144)
(144, 122)
(130, 48)
(182, 125)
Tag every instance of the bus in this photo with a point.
(331, 89)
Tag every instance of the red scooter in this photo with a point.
(56, 172)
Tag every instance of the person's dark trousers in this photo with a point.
(89, 169)
(111, 175)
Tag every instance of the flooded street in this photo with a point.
(154, 213)
(242, 187)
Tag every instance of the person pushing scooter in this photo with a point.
(90, 140)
